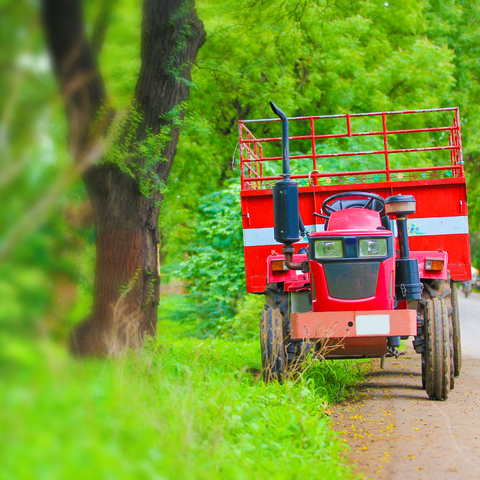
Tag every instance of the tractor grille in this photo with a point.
(351, 281)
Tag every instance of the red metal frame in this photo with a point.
(251, 149)
(440, 190)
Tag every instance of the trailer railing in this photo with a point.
(253, 161)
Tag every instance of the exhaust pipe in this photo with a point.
(285, 141)
(287, 220)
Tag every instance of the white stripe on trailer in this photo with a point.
(417, 227)
(437, 226)
(256, 237)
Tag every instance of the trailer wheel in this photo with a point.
(437, 349)
(457, 345)
(272, 344)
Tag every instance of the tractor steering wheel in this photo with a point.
(327, 208)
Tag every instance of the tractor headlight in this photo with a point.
(373, 247)
(328, 249)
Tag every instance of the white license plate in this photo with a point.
(372, 324)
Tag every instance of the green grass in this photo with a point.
(185, 408)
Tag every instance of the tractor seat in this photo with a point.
(375, 205)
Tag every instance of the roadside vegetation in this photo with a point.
(184, 408)
(191, 404)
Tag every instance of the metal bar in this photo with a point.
(343, 115)
(424, 149)
(358, 173)
(356, 134)
(242, 175)
(450, 142)
(246, 129)
(249, 150)
(314, 152)
(261, 164)
(254, 153)
(252, 170)
(385, 143)
(321, 175)
(404, 112)
(425, 169)
(364, 172)
(354, 154)
(457, 118)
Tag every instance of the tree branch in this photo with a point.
(76, 68)
(101, 25)
(172, 34)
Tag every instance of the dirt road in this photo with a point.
(395, 432)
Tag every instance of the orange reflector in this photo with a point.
(434, 264)
(278, 266)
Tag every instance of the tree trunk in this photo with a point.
(126, 292)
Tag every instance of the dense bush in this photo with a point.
(214, 268)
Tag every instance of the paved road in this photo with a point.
(396, 432)
(470, 324)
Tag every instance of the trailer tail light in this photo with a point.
(434, 264)
(278, 266)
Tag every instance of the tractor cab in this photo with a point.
(352, 261)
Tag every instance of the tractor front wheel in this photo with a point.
(272, 344)
(438, 360)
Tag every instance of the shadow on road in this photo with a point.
(381, 373)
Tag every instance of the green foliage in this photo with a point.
(318, 59)
(184, 408)
(125, 289)
(120, 56)
(185, 31)
(314, 59)
(245, 324)
(153, 279)
(51, 255)
(214, 269)
(139, 158)
(309, 57)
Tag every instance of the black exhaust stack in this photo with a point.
(407, 282)
(286, 214)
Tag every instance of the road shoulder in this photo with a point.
(394, 431)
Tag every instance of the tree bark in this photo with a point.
(126, 290)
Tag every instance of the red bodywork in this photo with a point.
(438, 229)
(353, 222)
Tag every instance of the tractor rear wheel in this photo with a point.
(295, 351)
(457, 345)
(424, 370)
(272, 344)
(445, 291)
(437, 349)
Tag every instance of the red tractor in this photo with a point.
(369, 257)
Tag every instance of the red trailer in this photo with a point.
(370, 255)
